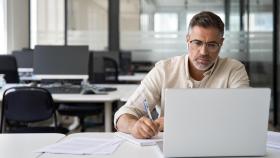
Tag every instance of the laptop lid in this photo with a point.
(215, 122)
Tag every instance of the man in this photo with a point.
(200, 68)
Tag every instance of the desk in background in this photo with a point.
(123, 91)
(135, 78)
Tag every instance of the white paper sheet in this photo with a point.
(142, 142)
(83, 146)
(273, 140)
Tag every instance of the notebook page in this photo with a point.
(142, 142)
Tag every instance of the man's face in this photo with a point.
(204, 45)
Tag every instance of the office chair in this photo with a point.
(110, 71)
(126, 67)
(82, 110)
(22, 106)
(103, 68)
(8, 66)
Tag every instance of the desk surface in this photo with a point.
(137, 77)
(23, 145)
(122, 93)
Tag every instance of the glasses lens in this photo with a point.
(212, 47)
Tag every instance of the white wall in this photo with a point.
(17, 25)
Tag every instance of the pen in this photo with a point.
(146, 107)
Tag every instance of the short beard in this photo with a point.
(202, 67)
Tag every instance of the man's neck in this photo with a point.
(194, 73)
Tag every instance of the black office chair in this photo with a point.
(24, 106)
(103, 68)
(82, 110)
(125, 60)
(8, 66)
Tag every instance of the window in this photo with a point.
(88, 23)
(150, 30)
(166, 22)
(47, 22)
(144, 18)
(261, 21)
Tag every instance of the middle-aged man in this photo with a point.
(200, 68)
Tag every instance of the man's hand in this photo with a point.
(160, 121)
(145, 128)
(142, 128)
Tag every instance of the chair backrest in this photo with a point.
(125, 59)
(110, 70)
(8, 66)
(27, 105)
(103, 68)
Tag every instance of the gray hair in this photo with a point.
(207, 19)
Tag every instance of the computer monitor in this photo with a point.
(24, 58)
(61, 60)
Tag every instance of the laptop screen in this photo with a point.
(215, 122)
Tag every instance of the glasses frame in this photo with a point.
(209, 48)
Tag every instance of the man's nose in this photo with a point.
(203, 49)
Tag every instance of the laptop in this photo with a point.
(215, 122)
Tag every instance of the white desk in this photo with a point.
(123, 91)
(23, 145)
(61, 77)
(136, 77)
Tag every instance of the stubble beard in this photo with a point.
(202, 67)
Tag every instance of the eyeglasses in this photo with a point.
(210, 46)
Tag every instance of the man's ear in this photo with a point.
(187, 38)
(222, 40)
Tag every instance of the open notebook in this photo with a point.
(143, 142)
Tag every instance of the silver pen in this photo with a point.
(146, 107)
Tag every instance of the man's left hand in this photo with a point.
(160, 121)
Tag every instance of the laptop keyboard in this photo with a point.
(106, 89)
(74, 89)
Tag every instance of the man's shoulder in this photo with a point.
(230, 62)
